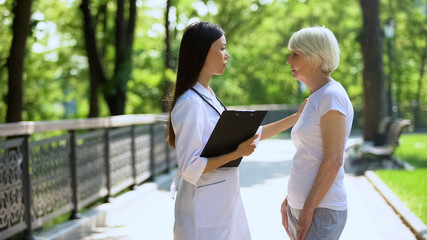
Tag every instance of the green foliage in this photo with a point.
(410, 186)
(56, 69)
(55, 64)
(258, 72)
(6, 18)
(412, 149)
(408, 44)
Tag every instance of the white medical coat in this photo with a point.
(208, 206)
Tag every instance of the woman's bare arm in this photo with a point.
(277, 127)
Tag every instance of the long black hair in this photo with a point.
(195, 44)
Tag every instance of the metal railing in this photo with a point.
(96, 158)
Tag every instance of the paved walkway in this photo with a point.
(147, 212)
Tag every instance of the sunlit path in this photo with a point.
(147, 213)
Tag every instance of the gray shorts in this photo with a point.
(327, 224)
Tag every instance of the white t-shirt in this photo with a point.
(306, 136)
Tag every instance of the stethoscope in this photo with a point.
(209, 102)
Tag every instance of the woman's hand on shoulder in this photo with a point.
(247, 147)
(301, 107)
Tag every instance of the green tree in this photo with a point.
(15, 62)
(167, 84)
(373, 73)
(408, 65)
(114, 89)
(57, 72)
(6, 17)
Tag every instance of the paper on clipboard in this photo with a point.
(232, 128)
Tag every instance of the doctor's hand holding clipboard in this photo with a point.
(208, 203)
(232, 130)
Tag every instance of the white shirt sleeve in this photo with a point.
(258, 139)
(188, 124)
(332, 101)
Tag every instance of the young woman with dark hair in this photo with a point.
(208, 203)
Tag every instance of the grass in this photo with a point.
(413, 149)
(410, 186)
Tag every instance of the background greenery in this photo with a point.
(410, 186)
(56, 77)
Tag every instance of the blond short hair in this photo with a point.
(318, 45)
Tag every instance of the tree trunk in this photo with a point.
(166, 83)
(167, 38)
(96, 69)
(102, 18)
(123, 66)
(15, 62)
(115, 89)
(373, 72)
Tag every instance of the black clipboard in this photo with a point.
(232, 128)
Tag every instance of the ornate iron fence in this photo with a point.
(40, 180)
(96, 158)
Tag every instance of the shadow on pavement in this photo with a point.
(253, 173)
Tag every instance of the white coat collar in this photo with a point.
(209, 96)
(202, 90)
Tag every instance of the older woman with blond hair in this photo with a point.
(316, 204)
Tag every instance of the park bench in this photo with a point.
(378, 153)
